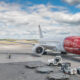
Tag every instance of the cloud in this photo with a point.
(78, 6)
(18, 23)
(67, 18)
(72, 2)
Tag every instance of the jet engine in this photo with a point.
(38, 49)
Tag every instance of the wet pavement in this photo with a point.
(14, 68)
(18, 71)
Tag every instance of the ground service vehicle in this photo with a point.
(56, 61)
(66, 68)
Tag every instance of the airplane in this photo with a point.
(64, 45)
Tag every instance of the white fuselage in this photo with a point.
(57, 42)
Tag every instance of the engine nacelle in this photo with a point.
(38, 49)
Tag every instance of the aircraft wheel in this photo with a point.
(63, 52)
(45, 53)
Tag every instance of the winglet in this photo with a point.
(40, 32)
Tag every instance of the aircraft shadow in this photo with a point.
(71, 57)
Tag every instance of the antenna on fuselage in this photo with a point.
(40, 32)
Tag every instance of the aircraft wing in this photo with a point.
(50, 44)
(50, 47)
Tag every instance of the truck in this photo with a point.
(56, 61)
(66, 68)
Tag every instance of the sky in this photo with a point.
(19, 19)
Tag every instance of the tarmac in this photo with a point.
(13, 68)
(23, 53)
